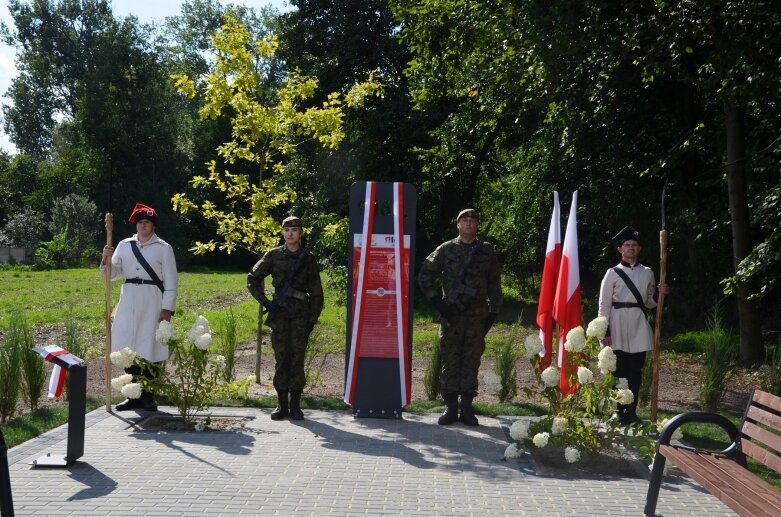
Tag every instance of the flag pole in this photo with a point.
(659, 307)
(107, 269)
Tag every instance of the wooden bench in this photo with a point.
(724, 474)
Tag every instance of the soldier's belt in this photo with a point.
(140, 281)
(626, 305)
(298, 295)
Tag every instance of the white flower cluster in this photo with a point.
(624, 396)
(165, 332)
(123, 358)
(218, 360)
(200, 334)
(597, 328)
(606, 360)
(118, 382)
(132, 390)
(677, 434)
(585, 376)
(665, 470)
(541, 439)
(571, 454)
(519, 430)
(199, 426)
(622, 383)
(550, 376)
(533, 345)
(559, 425)
(493, 381)
(512, 452)
(576, 340)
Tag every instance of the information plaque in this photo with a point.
(380, 294)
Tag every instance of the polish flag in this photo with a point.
(550, 272)
(57, 381)
(567, 310)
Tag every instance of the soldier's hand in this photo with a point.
(444, 308)
(270, 306)
(108, 251)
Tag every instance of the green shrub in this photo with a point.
(505, 369)
(721, 350)
(228, 327)
(10, 380)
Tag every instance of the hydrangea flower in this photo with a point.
(203, 341)
(118, 382)
(199, 426)
(217, 360)
(597, 328)
(576, 340)
(606, 360)
(493, 381)
(165, 332)
(677, 434)
(550, 376)
(132, 390)
(541, 439)
(559, 425)
(571, 454)
(512, 452)
(195, 332)
(519, 430)
(533, 345)
(625, 396)
(622, 383)
(585, 376)
(123, 358)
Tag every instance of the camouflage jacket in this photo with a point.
(306, 296)
(482, 277)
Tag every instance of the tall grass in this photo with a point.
(770, 379)
(433, 373)
(506, 356)
(228, 333)
(10, 380)
(33, 367)
(720, 353)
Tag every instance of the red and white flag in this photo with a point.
(550, 273)
(567, 310)
(57, 382)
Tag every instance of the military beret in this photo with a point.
(141, 212)
(627, 233)
(292, 220)
(467, 212)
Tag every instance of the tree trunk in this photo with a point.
(750, 334)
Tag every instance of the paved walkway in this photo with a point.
(330, 463)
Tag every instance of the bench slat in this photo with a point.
(743, 491)
(765, 436)
(762, 416)
(764, 456)
(767, 399)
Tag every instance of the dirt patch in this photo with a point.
(197, 424)
(606, 463)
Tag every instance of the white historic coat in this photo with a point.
(138, 311)
(629, 329)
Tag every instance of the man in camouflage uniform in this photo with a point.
(468, 304)
(292, 313)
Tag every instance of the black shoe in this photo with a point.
(295, 405)
(281, 411)
(450, 415)
(129, 404)
(148, 401)
(467, 413)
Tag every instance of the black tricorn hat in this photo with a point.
(627, 233)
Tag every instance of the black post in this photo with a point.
(6, 501)
(77, 409)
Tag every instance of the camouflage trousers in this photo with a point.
(289, 340)
(461, 346)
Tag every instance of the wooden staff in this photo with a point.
(109, 240)
(659, 308)
(258, 343)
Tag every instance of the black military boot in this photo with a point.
(467, 413)
(630, 415)
(451, 413)
(281, 410)
(128, 404)
(148, 401)
(295, 405)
